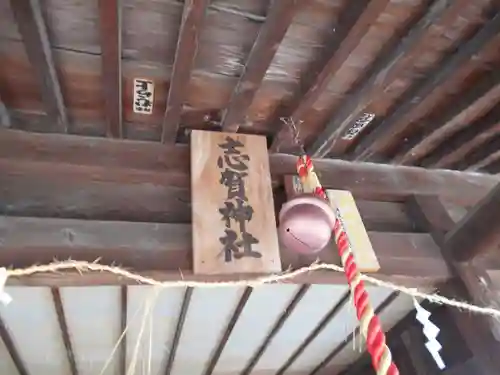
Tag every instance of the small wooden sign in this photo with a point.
(346, 210)
(143, 96)
(234, 227)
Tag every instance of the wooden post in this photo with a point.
(478, 331)
(234, 227)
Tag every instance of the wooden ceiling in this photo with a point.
(426, 70)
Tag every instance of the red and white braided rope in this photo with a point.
(369, 322)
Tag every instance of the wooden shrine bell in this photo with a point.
(306, 224)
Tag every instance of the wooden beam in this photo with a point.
(11, 348)
(482, 161)
(479, 231)
(185, 54)
(31, 25)
(63, 325)
(168, 250)
(458, 147)
(278, 19)
(330, 140)
(229, 329)
(393, 125)
(365, 17)
(475, 103)
(125, 170)
(111, 61)
(477, 330)
(314, 333)
(276, 328)
(172, 350)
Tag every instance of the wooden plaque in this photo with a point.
(234, 227)
(361, 246)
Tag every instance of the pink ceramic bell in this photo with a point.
(305, 224)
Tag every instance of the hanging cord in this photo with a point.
(369, 322)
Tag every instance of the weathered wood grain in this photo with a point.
(474, 104)
(110, 16)
(165, 251)
(458, 147)
(209, 196)
(143, 246)
(152, 163)
(31, 24)
(185, 54)
(278, 19)
(330, 139)
(392, 125)
(356, 31)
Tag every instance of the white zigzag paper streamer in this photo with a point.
(431, 331)
(4, 297)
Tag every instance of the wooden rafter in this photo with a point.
(352, 106)
(185, 54)
(278, 19)
(314, 333)
(348, 340)
(31, 25)
(392, 126)
(477, 101)
(111, 46)
(172, 350)
(122, 361)
(483, 161)
(229, 329)
(361, 25)
(63, 325)
(276, 328)
(459, 146)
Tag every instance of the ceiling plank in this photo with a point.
(352, 106)
(314, 333)
(11, 348)
(63, 325)
(459, 146)
(229, 329)
(324, 363)
(111, 46)
(383, 135)
(172, 350)
(31, 25)
(185, 54)
(278, 19)
(27, 241)
(483, 221)
(361, 17)
(276, 328)
(474, 103)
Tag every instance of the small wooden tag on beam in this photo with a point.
(234, 226)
